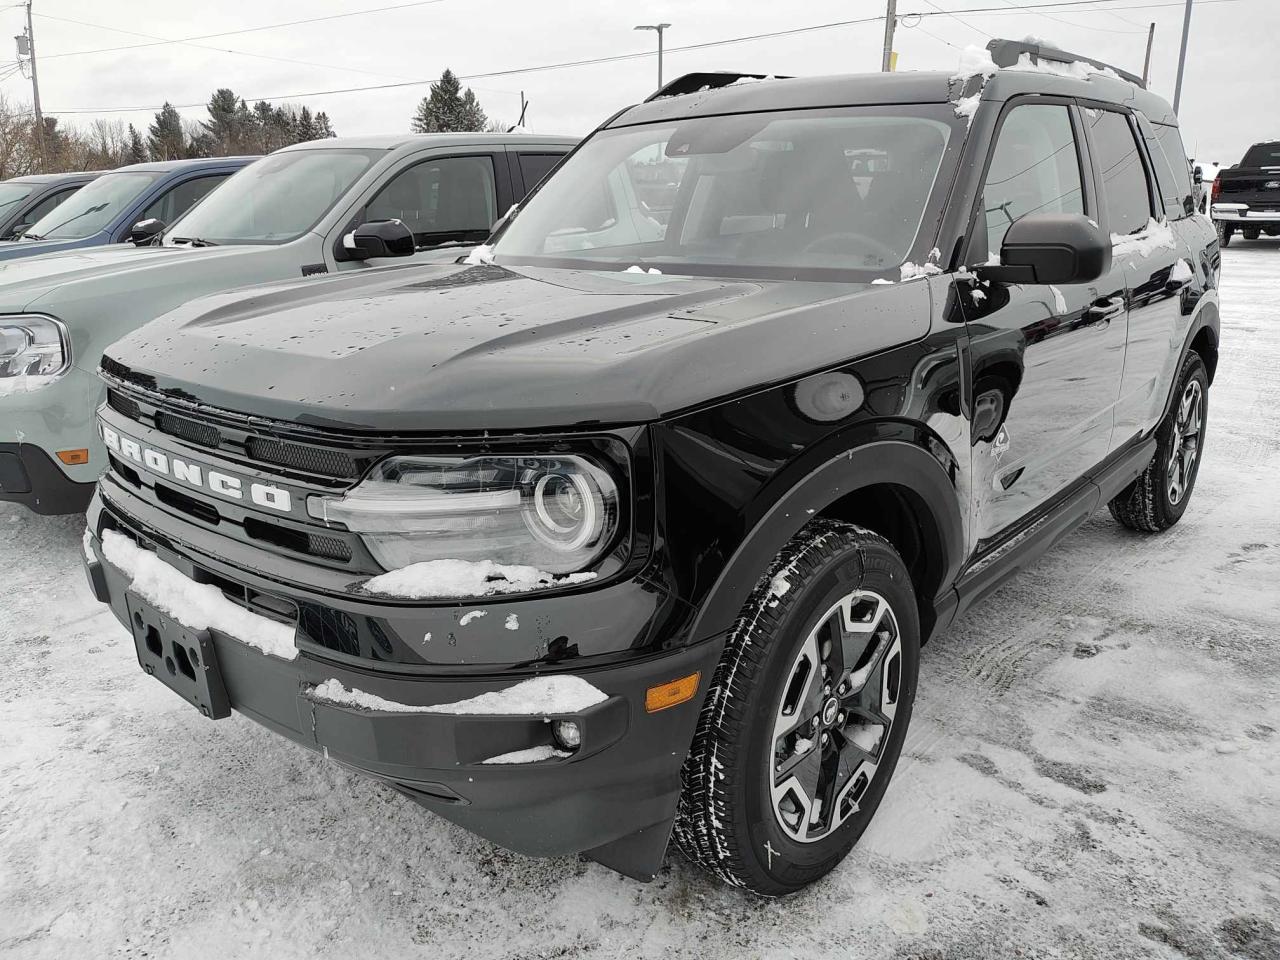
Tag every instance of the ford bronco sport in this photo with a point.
(631, 527)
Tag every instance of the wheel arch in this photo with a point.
(898, 488)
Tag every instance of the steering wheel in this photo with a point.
(875, 246)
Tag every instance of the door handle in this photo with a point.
(1102, 311)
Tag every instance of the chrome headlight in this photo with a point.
(559, 513)
(31, 346)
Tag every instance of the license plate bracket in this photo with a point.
(184, 660)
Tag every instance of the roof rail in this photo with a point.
(1006, 53)
(696, 82)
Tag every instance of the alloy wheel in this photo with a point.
(835, 716)
(1185, 441)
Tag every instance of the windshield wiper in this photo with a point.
(195, 241)
(32, 236)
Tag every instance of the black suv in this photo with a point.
(632, 526)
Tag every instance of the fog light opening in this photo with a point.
(567, 734)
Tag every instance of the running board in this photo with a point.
(1028, 545)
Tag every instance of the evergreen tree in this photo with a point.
(324, 129)
(166, 139)
(137, 149)
(306, 127)
(447, 109)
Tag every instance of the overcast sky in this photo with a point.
(1229, 99)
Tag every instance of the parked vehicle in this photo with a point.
(636, 530)
(1246, 197)
(338, 204)
(130, 203)
(24, 200)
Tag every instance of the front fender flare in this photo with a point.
(894, 462)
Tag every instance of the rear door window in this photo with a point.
(1035, 168)
(1120, 169)
(449, 199)
(535, 166)
(1173, 170)
(170, 206)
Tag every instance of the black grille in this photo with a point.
(190, 430)
(123, 405)
(329, 547)
(329, 628)
(301, 456)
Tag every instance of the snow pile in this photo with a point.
(513, 622)
(473, 615)
(966, 107)
(1153, 236)
(634, 268)
(780, 586)
(912, 271)
(480, 255)
(881, 280)
(537, 697)
(1059, 301)
(531, 755)
(1076, 69)
(1181, 272)
(466, 578)
(87, 543)
(198, 606)
(975, 61)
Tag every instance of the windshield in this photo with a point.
(751, 194)
(1262, 155)
(12, 194)
(91, 208)
(275, 199)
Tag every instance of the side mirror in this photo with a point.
(379, 238)
(1197, 175)
(1051, 248)
(18, 230)
(144, 233)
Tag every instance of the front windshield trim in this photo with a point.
(175, 232)
(919, 250)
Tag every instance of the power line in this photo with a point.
(230, 33)
(964, 23)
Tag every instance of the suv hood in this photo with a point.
(24, 281)
(457, 348)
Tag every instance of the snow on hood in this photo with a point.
(541, 696)
(198, 606)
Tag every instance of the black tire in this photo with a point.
(729, 820)
(1225, 230)
(1249, 234)
(1154, 501)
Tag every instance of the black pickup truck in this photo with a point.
(1246, 197)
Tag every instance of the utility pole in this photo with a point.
(657, 28)
(890, 22)
(1182, 57)
(35, 89)
(1146, 64)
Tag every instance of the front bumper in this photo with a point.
(34, 426)
(1243, 213)
(613, 799)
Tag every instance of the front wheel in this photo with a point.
(1158, 498)
(806, 714)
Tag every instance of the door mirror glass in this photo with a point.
(144, 233)
(1051, 248)
(379, 238)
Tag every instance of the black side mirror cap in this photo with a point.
(378, 238)
(1050, 248)
(146, 232)
(18, 230)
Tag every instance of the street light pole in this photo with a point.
(1182, 57)
(657, 28)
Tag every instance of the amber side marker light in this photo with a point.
(671, 694)
(73, 457)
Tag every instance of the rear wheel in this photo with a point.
(806, 715)
(1225, 230)
(1158, 498)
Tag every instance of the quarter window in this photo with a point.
(1119, 166)
(1035, 169)
(453, 198)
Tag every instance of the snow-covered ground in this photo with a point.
(1093, 770)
